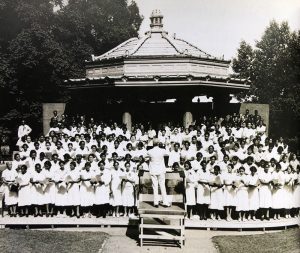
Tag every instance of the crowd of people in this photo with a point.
(81, 167)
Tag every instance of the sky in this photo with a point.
(218, 26)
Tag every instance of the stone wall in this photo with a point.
(263, 111)
(48, 109)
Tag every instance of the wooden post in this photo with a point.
(187, 119)
(126, 119)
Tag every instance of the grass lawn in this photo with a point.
(287, 241)
(29, 241)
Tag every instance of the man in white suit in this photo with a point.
(157, 170)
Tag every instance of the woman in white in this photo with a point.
(278, 181)
(49, 191)
(37, 190)
(293, 161)
(23, 130)
(73, 180)
(253, 192)
(284, 162)
(24, 194)
(297, 192)
(265, 192)
(10, 194)
(128, 196)
(229, 191)
(216, 193)
(242, 194)
(61, 197)
(116, 188)
(203, 191)
(190, 188)
(288, 191)
(87, 192)
(187, 153)
(17, 161)
(102, 189)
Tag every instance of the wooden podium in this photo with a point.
(162, 223)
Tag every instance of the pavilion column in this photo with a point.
(187, 119)
(220, 103)
(126, 119)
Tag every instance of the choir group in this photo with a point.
(233, 170)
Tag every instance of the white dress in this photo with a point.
(288, 191)
(87, 191)
(265, 190)
(242, 194)
(190, 191)
(128, 196)
(278, 192)
(37, 189)
(61, 197)
(216, 193)
(73, 188)
(297, 192)
(229, 190)
(50, 189)
(24, 196)
(10, 197)
(116, 187)
(253, 192)
(203, 189)
(102, 189)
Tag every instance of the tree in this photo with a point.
(274, 74)
(243, 63)
(42, 43)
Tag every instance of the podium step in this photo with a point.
(163, 237)
(162, 216)
(161, 226)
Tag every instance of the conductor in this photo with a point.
(157, 170)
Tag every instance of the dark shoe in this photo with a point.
(156, 206)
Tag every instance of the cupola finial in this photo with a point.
(156, 21)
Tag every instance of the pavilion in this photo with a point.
(154, 77)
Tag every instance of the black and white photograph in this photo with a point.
(161, 126)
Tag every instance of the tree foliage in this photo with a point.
(43, 42)
(273, 66)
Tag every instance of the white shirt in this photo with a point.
(24, 130)
(157, 161)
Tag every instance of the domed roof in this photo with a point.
(155, 42)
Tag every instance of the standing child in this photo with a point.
(278, 181)
(10, 194)
(24, 191)
(229, 192)
(203, 191)
(297, 192)
(116, 193)
(265, 192)
(37, 190)
(73, 189)
(128, 190)
(216, 193)
(103, 178)
(87, 192)
(49, 191)
(288, 191)
(253, 192)
(61, 197)
(191, 179)
(242, 194)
